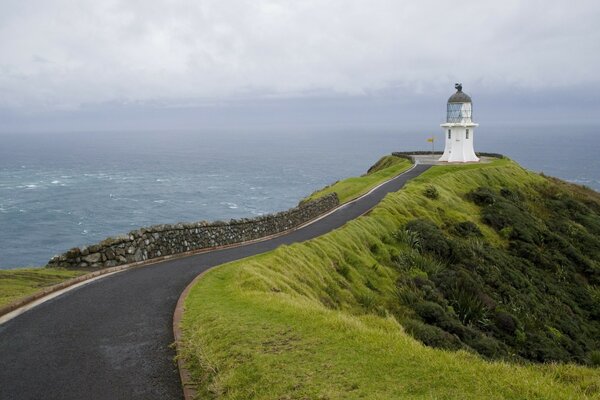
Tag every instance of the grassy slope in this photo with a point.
(23, 282)
(17, 283)
(311, 320)
(351, 188)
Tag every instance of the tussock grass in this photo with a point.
(314, 319)
(17, 283)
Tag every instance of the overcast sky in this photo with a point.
(74, 64)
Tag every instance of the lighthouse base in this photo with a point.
(458, 158)
(459, 143)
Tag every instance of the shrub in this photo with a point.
(432, 335)
(500, 216)
(433, 314)
(595, 358)
(431, 192)
(511, 195)
(431, 237)
(505, 322)
(487, 346)
(430, 312)
(467, 229)
(482, 196)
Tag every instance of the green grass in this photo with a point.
(351, 188)
(319, 319)
(17, 283)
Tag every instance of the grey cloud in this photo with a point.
(61, 55)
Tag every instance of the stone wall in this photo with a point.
(163, 240)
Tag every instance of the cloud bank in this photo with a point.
(60, 54)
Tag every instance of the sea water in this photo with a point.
(61, 190)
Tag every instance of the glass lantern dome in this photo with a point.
(459, 107)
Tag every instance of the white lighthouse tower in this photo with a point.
(459, 129)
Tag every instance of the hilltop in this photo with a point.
(474, 281)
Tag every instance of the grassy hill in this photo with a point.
(351, 188)
(475, 281)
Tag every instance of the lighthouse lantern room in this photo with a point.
(459, 128)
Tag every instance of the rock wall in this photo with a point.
(163, 240)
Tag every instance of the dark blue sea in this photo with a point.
(60, 190)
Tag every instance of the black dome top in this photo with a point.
(459, 96)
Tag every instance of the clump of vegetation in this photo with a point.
(595, 358)
(431, 238)
(431, 192)
(466, 229)
(534, 299)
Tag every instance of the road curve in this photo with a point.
(111, 339)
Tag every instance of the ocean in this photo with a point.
(61, 190)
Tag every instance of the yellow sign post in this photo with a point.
(432, 141)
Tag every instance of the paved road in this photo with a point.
(111, 339)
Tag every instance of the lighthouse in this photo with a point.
(459, 128)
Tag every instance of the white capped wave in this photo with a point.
(114, 197)
(230, 205)
(55, 182)
(159, 201)
(583, 181)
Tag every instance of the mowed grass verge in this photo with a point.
(312, 320)
(351, 188)
(18, 283)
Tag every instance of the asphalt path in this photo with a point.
(112, 338)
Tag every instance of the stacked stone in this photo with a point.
(163, 240)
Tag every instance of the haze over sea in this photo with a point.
(61, 190)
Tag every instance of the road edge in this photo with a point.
(188, 387)
(22, 305)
